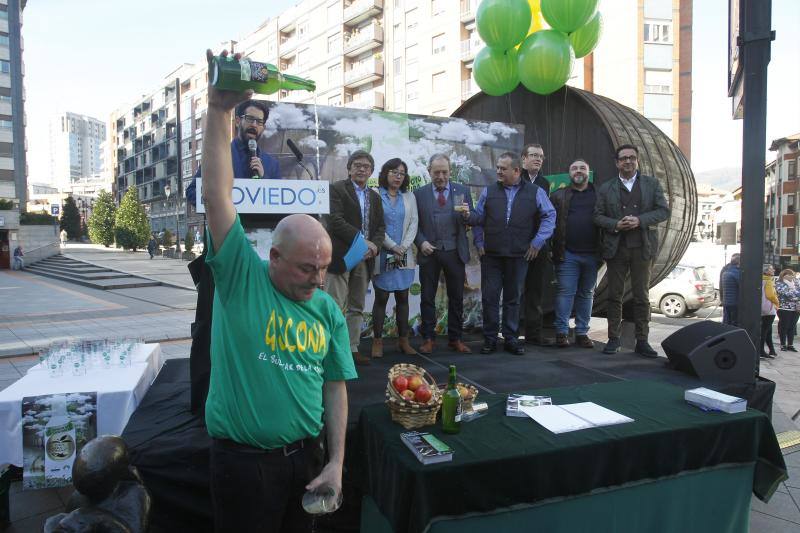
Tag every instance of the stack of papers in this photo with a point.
(716, 401)
(572, 417)
(515, 401)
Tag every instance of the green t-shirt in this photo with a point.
(269, 355)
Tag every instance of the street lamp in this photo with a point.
(167, 192)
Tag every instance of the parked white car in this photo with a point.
(686, 289)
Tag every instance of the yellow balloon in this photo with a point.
(537, 19)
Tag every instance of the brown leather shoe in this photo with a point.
(584, 341)
(426, 347)
(360, 359)
(377, 348)
(405, 347)
(458, 346)
(561, 340)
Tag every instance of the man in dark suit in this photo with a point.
(442, 245)
(627, 209)
(517, 218)
(354, 208)
(540, 270)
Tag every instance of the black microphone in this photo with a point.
(295, 150)
(252, 145)
(299, 156)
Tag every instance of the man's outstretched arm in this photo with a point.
(216, 160)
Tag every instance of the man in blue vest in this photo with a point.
(508, 211)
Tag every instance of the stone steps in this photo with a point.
(73, 271)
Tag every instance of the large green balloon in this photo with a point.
(568, 15)
(545, 61)
(496, 72)
(503, 24)
(585, 38)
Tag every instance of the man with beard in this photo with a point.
(540, 269)
(575, 254)
(627, 209)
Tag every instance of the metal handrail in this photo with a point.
(40, 247)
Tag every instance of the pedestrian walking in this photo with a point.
(729, 291)
(769, 306)
(152, 245)
(788, 297)
(63, 236)
(19, 262)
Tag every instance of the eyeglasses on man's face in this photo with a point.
(627, 158)
(250, 119)
(361, 166)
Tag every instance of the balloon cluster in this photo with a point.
(534, 42)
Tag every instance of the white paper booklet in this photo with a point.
(572, 417)
(711, 399)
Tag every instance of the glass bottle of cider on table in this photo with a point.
(231, 74)
(451, 405)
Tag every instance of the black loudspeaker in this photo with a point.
(713, 352)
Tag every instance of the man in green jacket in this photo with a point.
(628, 208)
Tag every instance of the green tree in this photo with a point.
(132, 230)
(102, 219)
(71, 219)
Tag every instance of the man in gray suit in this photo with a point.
(442, 244)
(627, 210)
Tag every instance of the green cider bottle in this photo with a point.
(231, 74)
(451, 405)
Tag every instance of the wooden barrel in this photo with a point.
(572, 123)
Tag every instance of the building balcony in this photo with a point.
(468, 10)
(363, 39)
(470, 48)
(287, 46)
(367, 100)
(360, 10)
(366, 72)
(469, 88)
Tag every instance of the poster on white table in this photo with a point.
(54, 429)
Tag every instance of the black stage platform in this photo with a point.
(169, 445)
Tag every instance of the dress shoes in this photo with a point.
(644, 349)
(538, 340)
(458, 346)
(426, 347)
(583, 341)
(488, 347)
(404, 346)
(360, 359)
(514, 348)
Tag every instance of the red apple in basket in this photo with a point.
(400, 383)
(422, 394)
(407, 394)
(414, 382)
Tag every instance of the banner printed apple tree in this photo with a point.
(534, 42)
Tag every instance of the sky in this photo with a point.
(92, 56)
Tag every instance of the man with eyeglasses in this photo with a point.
(627, 210)
(355, 208)
(540, 270)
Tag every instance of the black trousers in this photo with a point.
(506, 274)
(454, 275)
(628, 261)
(540, 272)
(787, 326)
(766, 333)
(255, 491)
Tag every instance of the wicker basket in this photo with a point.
(407, 413)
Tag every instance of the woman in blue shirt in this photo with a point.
(394, 269)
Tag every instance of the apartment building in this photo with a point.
(781, 246)
(709, 200)
(13, 167)
(76, 148)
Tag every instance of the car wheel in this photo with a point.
(673, 306)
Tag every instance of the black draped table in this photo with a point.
(675, 468)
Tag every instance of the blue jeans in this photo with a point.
(577, 276)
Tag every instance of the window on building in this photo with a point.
(412, 92)
(303, 58)
(397, 32)
(790, 241)
(302, 31)
(335, 100)
(412, 70)
(335, 74)
(437, 7)
(658, 32)
(791, 169)
(4, 39)
(5, 66)
(439, 83)
(790, 204)
(398, 66)
(335, 44)
(334, 13)
(5, 124)
(412, 53)
(438, 44)
(657, 82)
(412, 20)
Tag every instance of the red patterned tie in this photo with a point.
(441, 198)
